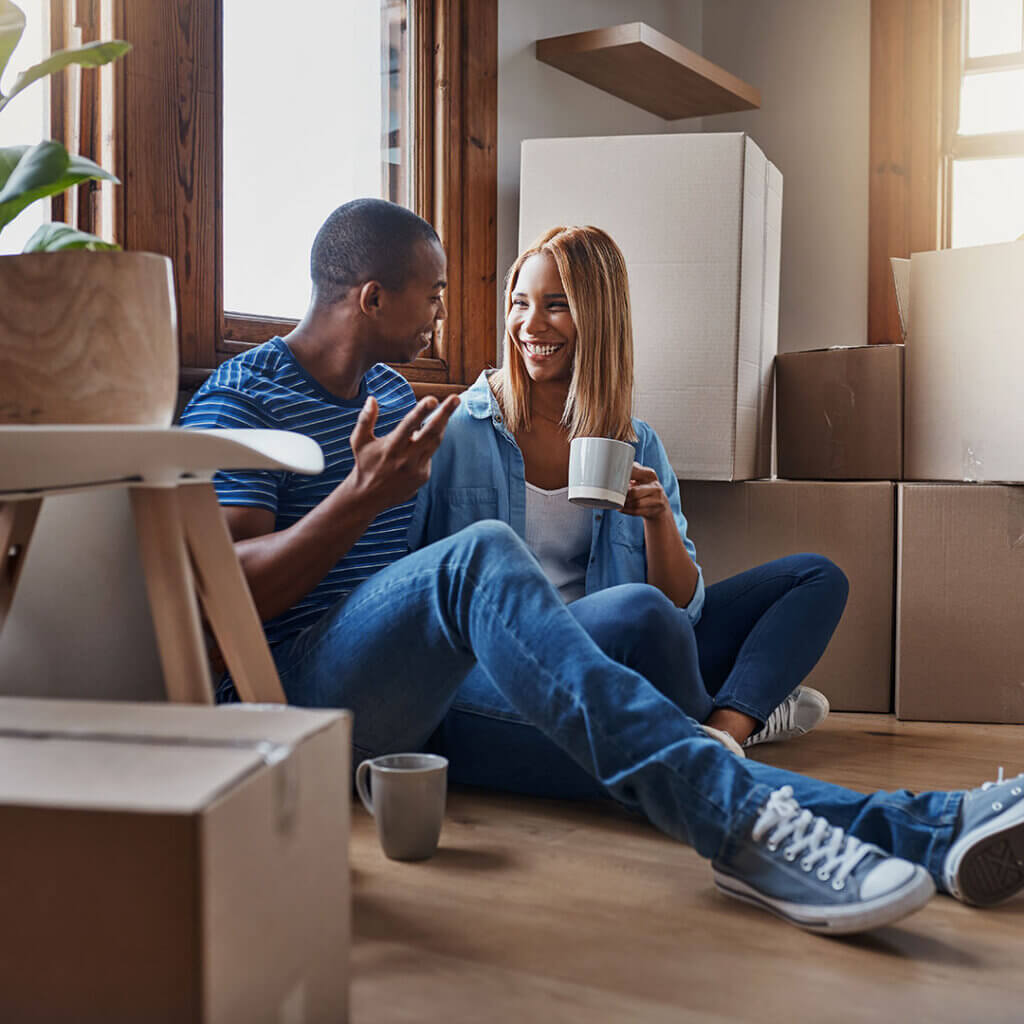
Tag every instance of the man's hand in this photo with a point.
(646, 497)
(391, 469)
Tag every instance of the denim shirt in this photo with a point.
(478, 473)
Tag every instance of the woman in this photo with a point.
(732, 657)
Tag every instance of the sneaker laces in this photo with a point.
(837, 853)
(998, 782)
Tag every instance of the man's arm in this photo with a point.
(282, 567)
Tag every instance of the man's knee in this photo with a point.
(648, 608)
(490, 533)
(490, 540)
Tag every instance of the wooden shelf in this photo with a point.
(644, 67)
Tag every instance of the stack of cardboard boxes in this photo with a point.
(936, 572)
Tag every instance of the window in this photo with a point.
(985, 197)
(328, 121)
(185, 135)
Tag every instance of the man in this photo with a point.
(354, 622)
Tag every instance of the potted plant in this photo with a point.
(86, 336)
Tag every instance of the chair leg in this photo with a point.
(226, 596)
(172, 599)
(17, 522)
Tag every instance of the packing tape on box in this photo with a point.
(276, 756)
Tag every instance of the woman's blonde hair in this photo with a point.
(593, 273)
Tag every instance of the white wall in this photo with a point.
(536, 100)
(811, 61)
(80, 625)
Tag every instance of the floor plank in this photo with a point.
(546, 911)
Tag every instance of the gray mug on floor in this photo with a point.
(406, 794)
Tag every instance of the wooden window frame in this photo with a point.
(910, 40)
(164, 133)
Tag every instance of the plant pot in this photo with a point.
(87, 337)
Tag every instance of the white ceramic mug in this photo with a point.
(599, 471)
(406, 795)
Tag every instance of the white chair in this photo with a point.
(184, 544)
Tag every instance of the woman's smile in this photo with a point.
(539, 351)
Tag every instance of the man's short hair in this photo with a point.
(365, 240)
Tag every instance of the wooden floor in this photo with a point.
(548, 912)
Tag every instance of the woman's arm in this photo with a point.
(669, 565)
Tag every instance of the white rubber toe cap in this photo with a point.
(886, 877)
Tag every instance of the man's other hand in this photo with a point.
(391, 469)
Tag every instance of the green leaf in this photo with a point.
(61, 237)
(43, 170)
(9, 157)
(12, 24)
(92, 55)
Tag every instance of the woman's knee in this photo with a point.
(826, 575)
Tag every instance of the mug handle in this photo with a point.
(361, 785)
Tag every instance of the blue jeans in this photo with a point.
(398, 648)
(760, 633)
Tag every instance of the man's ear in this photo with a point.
(370, 298)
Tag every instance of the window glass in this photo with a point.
(988, 200)
(316, 112)
(993, 26)
(992, 102)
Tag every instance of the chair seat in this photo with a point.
(35, 461)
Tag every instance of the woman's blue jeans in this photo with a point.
(397, 650)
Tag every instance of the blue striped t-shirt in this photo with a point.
(267, 388)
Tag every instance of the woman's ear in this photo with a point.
(370, 298)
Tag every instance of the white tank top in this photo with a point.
(558, 533)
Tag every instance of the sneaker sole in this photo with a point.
(839, 919)
(986, 866)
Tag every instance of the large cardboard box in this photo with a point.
(960, 603)
(699, 219)
(965, 364)
(840, 413)
(741, 525)
(173, 864)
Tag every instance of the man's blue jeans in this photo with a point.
(397, 649)
(760, 633)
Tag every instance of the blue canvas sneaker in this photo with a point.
(985, 864)
(816, 876)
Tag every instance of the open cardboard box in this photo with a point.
(963, 315)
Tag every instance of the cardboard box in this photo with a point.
(965, 365)
(840, 413)
(960, 603)
(173, 864)
(741, 525)
(699, 219)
